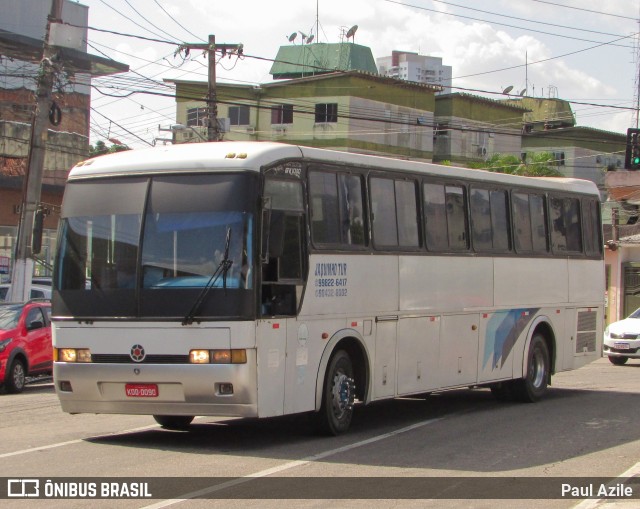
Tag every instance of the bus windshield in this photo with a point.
(146, 247)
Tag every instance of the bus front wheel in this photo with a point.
(177, 422)
(534, 385)
(338, 395)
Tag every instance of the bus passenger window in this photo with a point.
(337, 211)
(566, 233)
(591, 228)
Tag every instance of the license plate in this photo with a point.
(141, 390)
(621, 346)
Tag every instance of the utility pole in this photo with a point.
(32, 185)
(213, 132)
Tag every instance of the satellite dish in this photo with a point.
(508, 89)
(293, 36)
(310, 38)
(352, 31)
(522, 92)
(303, 35)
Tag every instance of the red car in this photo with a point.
(25, 342)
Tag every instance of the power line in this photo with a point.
(497, 23)
(586, 10)
(546, 59)
(524, 19)
(121, 127)
(144, 18)
(129, 19)
(176, 21)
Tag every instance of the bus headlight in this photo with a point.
(199, 356)
(218, 356)
(72, 355)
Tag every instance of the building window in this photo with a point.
(197, 116)
(558, 158)
(441, 130)
(238, 115)
(282, 114)
(326, 112)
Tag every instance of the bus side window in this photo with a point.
(282, 248)
(282, 272)
(566, 232)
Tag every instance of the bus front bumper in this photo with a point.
(157, 389)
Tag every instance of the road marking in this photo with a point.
(290, 465)
(592, 503)
(71, 442)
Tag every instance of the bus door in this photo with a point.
(284, 269)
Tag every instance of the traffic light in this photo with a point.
(632, 153)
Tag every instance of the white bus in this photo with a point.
(262, 279)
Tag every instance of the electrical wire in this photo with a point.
(586, 10)
(177, 22)
(498, 23)
(524, 19)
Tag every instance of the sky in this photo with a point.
(584, 51)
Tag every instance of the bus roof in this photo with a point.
(251, 156)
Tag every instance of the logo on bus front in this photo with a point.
(137, 353)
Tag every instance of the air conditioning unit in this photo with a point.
(482, 151)
(251, 130)
(280, 128)
(224, 125)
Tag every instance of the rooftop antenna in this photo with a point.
(352, 32)
(317, 17)
(526, 71)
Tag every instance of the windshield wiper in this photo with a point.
(221, 270)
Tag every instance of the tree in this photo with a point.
(539, 165)
(100, 148)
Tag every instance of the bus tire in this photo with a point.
(177, 422)
(618, 361)
(338, 395)
(534, 385)
(16, 377)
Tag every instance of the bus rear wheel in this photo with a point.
(177, 422)
(338, 395)
(534, 385)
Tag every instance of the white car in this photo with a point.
(622, 339)
(37, 291)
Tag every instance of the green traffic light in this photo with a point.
(636, 160)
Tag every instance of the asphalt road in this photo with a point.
(475, 447)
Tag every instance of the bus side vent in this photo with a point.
(586, 334)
